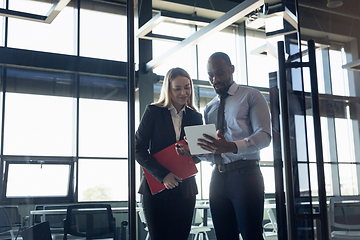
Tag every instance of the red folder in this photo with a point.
(183, 167)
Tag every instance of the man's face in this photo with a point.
(220, 75)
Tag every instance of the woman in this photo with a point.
(169, 212)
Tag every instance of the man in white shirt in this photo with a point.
(237, 186)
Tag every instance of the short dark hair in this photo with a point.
(221, 55)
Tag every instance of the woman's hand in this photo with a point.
(171, 181)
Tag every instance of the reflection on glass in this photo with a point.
(38, 180)
(103, 180)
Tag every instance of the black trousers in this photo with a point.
(237, 203)
(170, 218)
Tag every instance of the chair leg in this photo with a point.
(206, 236)
(147, 236)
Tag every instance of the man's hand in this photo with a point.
(171, 181)
(183, 150)
(218, 146)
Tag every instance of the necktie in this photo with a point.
(220, 123)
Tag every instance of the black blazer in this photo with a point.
(156, 132)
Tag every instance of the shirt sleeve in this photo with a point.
(260, 123)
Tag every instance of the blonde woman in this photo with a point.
(169, 212)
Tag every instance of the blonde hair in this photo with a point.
(165, 94)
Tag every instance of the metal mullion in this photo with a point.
(318, 141)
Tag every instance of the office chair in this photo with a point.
(39, 231)
(90, 221)
(5, 224)
(15, 217)
(56, 221)
(272, 226)
(197, 228)
(37, 218)
(143, 220)
(344, 217)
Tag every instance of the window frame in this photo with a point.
(9, 160)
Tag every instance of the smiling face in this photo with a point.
(180, 92)
(220, 74)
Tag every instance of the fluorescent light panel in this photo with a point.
(56, 8)
(217, 25)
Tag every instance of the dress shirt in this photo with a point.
(176, 119)
(247, 123)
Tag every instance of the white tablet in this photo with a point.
(193, 133)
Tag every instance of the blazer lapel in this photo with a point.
(169, 124)
(185, 122)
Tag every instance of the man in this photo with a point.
(236, 186)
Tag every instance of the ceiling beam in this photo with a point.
(217, 25)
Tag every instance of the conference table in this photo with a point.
(44, 212)
(202, 205)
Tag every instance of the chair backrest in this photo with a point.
(89, 220)
(37, 218)
(197, 218)
(5, 222)
(141, 214)
(56, 221)
(13, 212)
(37, 232)
(344, 212)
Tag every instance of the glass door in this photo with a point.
(314, 98)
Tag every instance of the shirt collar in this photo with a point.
(172, 108)
(232, 89)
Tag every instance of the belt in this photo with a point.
(236, 165)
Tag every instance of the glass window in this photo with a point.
(40, 114)
(339, 81)
(1, 99)
(97, 41)
(42, 180)
(269, 179)
(185, 58)
(223, 41)
(31, 6)
(345, 143)
(57, 37)
(203, 179)
(103, 180)
(102, 118)
(329, 186)
(348, 179)
(260, 59)
(2, 25)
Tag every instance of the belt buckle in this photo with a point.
(221, 170)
